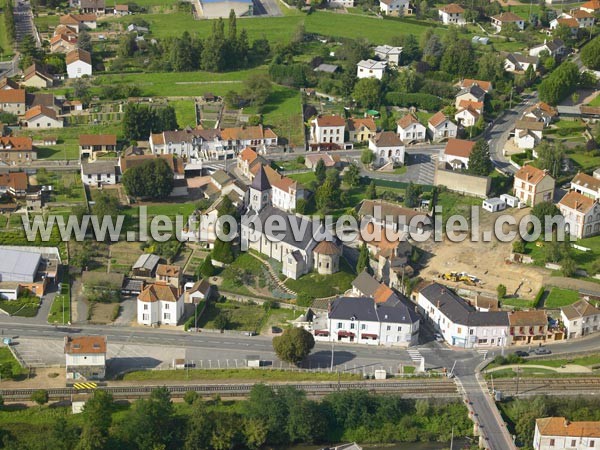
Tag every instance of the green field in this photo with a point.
(61, 306)
(185, 111)
(45, 23)
(237, 374)
(319, 286)
(5, 42)
(6, 357)
(560, 297)
(596, 101)
(23, 306)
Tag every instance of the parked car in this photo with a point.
(542, 351)
(521, 353)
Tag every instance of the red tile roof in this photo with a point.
(452, 8)
(78, 55)
(459, 147)
(15, 180)
(12, 96)
(97, 139)
(12, 143)
(530, 174)
(330, 121)
(577, 202)
(158, 291)
(40, 110)
(85, 344)
(559, 426)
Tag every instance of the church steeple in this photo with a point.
(260, 190)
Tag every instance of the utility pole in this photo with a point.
(332, 352)
(518, 372)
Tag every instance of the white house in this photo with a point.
(528, 133)
(441, 127)
(201, 290)
(533, 185)
(452, 14)
(395, 7)
(519, 63)
(389, 54)
(79, 63)
(369, 68)
(41, 117)
(580, 319)
(472, 93)
(285, 192)
(541, 112)
(85, 357)
(567, 21)
(100, 172)
(587, 185)
(559, 433)
(505, 18)
(362, 320)
(457, 153)
(409, 129)
(584, 19)
(459, 323)
(388, 148)
(159, 303)
(581, 213)
(591, 6)
(554, 48)
(327, 129)
(468, 113)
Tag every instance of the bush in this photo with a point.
(305, 300)
(420, 100)
(538, 297)
(190, 397)
(501, 290)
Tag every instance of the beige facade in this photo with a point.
(463, 183)
(533, 186)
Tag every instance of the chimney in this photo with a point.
(329, 307)
(567, 422)
(438, 304)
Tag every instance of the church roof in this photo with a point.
(261, 182)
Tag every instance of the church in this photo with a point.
(299, 243)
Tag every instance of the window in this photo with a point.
(166, 306)
(573, 442)
(592, 444)
(339, 325)
(399, 328)
(145, 317)
(389, 328)
(352, 326)
(471, 332)
(145, 307)
(551, 442)
(167, 316)
(363, 327)
(459, 330)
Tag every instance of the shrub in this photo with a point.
(538, 297)
(190, 397)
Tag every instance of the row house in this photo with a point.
(17, 150)
(581, 213)
(533, 185)
(529, 327)
(247, 161)
(238, 138)
(558, 433)
(361, 129)
(580, 319)
(92, 146)
(327, 130)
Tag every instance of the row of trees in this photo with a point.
(268, 417)
(9, 21)
(152, 179)
(140, 120)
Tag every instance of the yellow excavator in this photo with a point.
(451, 276)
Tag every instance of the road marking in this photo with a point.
(85, 385)
(415, 355)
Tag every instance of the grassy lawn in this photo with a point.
(5, 41)
(517, 302)
(561, 297)
(318, 286)
(596, 101)
(67, 186)
(584, 160)
(23, 306)
(185, 110)
(247, 264)
(242, 316)
(236, 374)
(453, 203)
(44, 23)
(6, 357)
(67, 150)
(304, 178)
(61, 301)
(586, 361)
(524, 372)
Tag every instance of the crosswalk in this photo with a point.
(483, 353)
(415, 355)
(81, 386)
(427, 170)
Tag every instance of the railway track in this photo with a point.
(417, 388)
(552, 386)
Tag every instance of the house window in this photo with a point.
(166, 306)
(471, 332)
(145, 307)
(399, 328)
(389, 328)
(551, 442)
(573, 442)
(339, 325)
(352, 326)
(459, 330)
(363, 327)
(145, 317)
(167, 316)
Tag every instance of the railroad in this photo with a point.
(416, 388)
(546, 386)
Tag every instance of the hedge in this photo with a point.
(538, 297)
(422, 101)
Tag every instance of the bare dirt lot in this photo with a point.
(485, 260)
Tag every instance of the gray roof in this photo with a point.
(474, 89)
(286, 225)
(365, 283)
(221, 177)
(99, 166)
(459, 311)
(329, 68)
(18, 265)
(147, 261)
(261, 182)
(365, 309)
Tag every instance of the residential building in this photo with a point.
(330, 161)
(587, 185)
(293, 250)
(361, 129)
(441, 127)
(92, 6)
(519, 63)
(584, 19)
(558, 433)
(472, 93)
(14, 184)
(159, 303)
(459, 323)
(452, 14)
(533, 185)
(79, 63)
(369, 68)
(8, 84)
(362, 320)
(201, 290)
(393, 218)
(528, 327)
(16, 150)
(466, 83)
(91, 146)
(541, 112)
(395, 7)
(580, 319)
(468, 113)
(257, 137)
(170, 274)
(566, 21)
(555, 48)
(85, 357)
(121, 10)
(457, 152)
(247, 160)
(100, 172)
(79, 22)
(581, 213)
(389, 54)
(506, 18)
(327, 129)
(528, 133)
(388, 148)
(592, 6)
(42, 117)
(13, 101)
(145, 266)
(127, 162)
(35, 76)
(410, 130)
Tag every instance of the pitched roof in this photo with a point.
(36, 69)
(4, 82)
(527, 318)
(279, 181)
(327, 248)
(168, 270)
(40, 99)
(452, 8)
(95, 4)
(365, 284)
(247, 133)
(15, 143)
(529, 125)
(586, 181)
(371, 64)
(379, 209)
(541, 109)
(407, 120)
(578, 309)
(97, 139)
(202, 286)
(437, 119)
(468, 82)
(530, 174)
(354, 123)
(459, 147)
(559, 426)
(12, 96)
(365, 309)
(261, 182)
(85, 344)
(147, 261)
(158, 291)
(577, 202)
(470, 104)
(40, 110)
(568, 21)
(387, 139)
(581, 14)
(388, 49)
(330, 121)
(592, 4)
(507, 17)
(15, 180)
(78, 55)
(474, 90)
(248, 155)
(108, 166)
